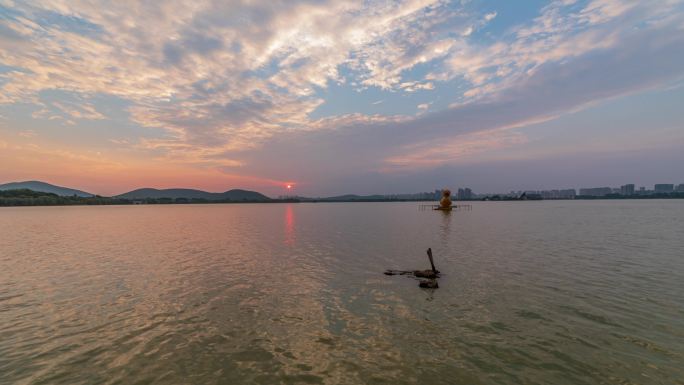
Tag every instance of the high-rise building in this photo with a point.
(596, 191)
(627, 189)
(663, 188)
(465, 194)
(568, 193)
(555, 194)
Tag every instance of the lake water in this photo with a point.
(564, 292)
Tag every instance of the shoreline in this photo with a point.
(277, 201)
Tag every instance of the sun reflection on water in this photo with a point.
(290, 235)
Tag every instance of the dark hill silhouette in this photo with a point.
(175, 193)
(354, 197)
(35, 185)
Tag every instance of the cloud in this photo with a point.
(80, 111)
(48, 157)
(556, 88)
(223, 79)
(439, 152)
(551, 86)
(217, 75)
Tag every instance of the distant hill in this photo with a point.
(175, 193)
(44, 187)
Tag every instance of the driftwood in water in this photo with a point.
(415, 273)
(432, 274)
(426, 274)
(398, 272)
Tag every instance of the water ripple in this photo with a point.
(539, 293)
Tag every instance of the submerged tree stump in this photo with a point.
(426, 274)
(415, 273)
(431, 274)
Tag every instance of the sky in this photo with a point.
(340, 96)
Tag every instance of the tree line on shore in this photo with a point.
(26, 197)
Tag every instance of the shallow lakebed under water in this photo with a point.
(552, 292)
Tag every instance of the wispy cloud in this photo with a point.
(457, 149)
(223, 79)
(490, 16)
(80, 111)
(549, 83)
(216, 74)
(27, 134)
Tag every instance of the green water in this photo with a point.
(566, 292)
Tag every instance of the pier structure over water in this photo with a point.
(463, 207)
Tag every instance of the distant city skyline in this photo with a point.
(459, 193)
(335, 97)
